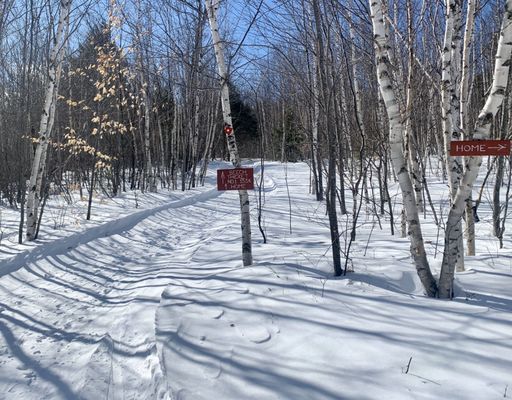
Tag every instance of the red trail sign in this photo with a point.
(235, 179)
(480, 148)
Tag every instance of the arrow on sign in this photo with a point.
(500, 147)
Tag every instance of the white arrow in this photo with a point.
(500, 147)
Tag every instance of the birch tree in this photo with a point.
(47, 119)
(481, 131)
(212, 7)
(450, 114)
(410, 135)
(464, 105)
(396, 135)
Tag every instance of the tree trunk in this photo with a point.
(212, 7)
(449, 115)
(318, 187)
(464, 102)
(47, 119)
(325, 100)
(410, 136)
(482, 131)
(92, 182)
(396, 136)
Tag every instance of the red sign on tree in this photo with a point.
(480, 148)
(235, 179)
(228, 129)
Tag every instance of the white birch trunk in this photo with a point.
(452, 166)
(464, 81)
(482, 131)
(396, 136)
(212, 7)
(148, 165)
(47, 119)
(174, 145)
(456, 73)
(412, 145)
(449, 112)
(162, 147)
(464, 101)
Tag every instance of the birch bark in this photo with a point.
(212, 7)
(410, 135)
(396, 135)
(449, 114)
(47, 119)
(174, 144)
(482, 131)
(464, 102)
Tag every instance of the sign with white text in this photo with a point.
(480, 148)
(235, 179)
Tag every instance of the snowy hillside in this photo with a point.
(153, 303)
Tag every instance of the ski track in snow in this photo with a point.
(156, 305)
(77, 316)
(285, 329)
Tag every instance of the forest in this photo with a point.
(367, 254)
(113, 96)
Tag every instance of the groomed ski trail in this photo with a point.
(77, 317)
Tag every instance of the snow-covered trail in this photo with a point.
(157, 305)
(285, 329)
(77, 316)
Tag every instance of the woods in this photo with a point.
(115, 96)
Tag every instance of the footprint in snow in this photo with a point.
(253, 332)
(216, 313)
(211, 371)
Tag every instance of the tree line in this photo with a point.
(119, 96)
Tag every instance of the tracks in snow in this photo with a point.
(83, 309)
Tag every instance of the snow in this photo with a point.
(153, 303)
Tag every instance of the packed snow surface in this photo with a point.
(149, 300)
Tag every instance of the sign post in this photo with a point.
(245, 211)
(480, 148)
